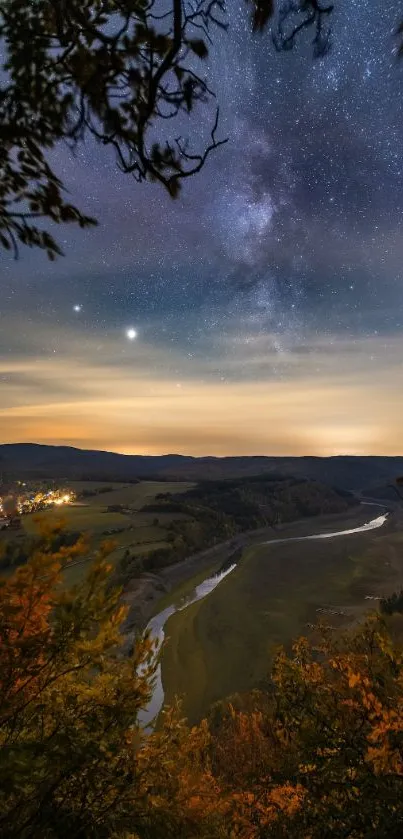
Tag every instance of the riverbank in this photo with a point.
(152, 592)
(225, 643)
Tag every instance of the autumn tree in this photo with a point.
(317, 755)
(321, 755)
(74, 760)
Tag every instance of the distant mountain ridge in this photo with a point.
(32, 460)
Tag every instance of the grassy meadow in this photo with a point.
(225, 643)
(138, 532)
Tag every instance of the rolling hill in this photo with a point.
(30, 460)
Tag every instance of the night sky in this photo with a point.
(261, 312)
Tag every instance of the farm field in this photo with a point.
(130, 530)
(132, 495)
(225, 643)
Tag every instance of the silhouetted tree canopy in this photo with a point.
(124, 72)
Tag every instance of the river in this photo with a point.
(156, 625)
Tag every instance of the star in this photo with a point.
(281, 261)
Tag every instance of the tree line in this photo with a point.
(215, 511)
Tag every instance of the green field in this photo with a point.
(139, 532)
(132, 495)
(225, 643)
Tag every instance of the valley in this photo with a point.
(246, 542)
(224, 644)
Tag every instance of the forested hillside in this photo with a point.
(28, 460)
(215, 511)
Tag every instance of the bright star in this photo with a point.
(77, 307)
(131, 334)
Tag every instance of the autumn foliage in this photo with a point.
(73, 758)
(322, 755)
(319, 755)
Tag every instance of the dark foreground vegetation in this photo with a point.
(15, 552)
(393, 604)
(318, 754)
(215, 511)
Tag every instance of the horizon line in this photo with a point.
(200, 457)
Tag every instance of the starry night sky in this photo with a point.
(267, 300)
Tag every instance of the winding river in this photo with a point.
(156, 625)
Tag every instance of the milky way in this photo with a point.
(280, 262)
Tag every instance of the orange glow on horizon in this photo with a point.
(335, 400)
